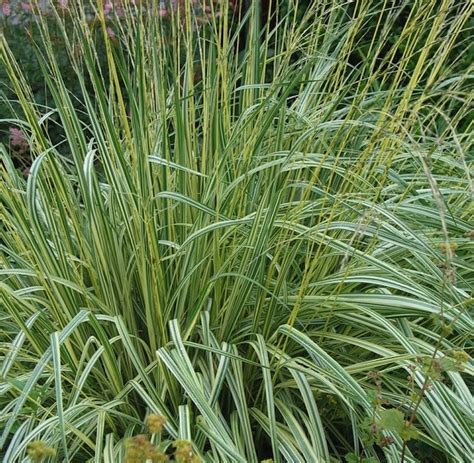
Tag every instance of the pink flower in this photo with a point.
(25, 6)
(108, 7)
(16, 136)
(6, 8)
(163, 12)
(110, 33)
(18, 139)
(63, 4)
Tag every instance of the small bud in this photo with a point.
(386, 441)
(140, 449)
(469, 234)
(155, 423)
(445, 246)
(184, 452)
(446, 329)
(460, 356)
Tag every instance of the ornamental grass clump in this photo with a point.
(250, 238)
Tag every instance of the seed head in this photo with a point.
(38, 450)
(155, 423)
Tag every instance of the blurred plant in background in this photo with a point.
(19, 25)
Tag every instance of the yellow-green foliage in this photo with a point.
(260, 239)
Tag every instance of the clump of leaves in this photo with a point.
(393, 420)
(375, 427)
(354, 458)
